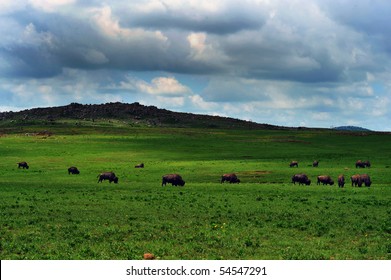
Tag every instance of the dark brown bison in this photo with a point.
(315, 163)
(301, 179)
(73, 170)
(108, 176)
(367, 163)
(360, 164)
(141, 165)
(294, 163)
(231, 177)
(173, 179)
(341, 181)
(325, 180)
(363, 164)
(23, 165)
(356, 180)
(366, 180)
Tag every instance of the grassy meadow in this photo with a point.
(48, 214)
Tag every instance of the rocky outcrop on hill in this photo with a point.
(133, 113)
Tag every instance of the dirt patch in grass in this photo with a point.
(291, 141)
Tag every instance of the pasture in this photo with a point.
(48, 214)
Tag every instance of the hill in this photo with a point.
(134, 113)
(351, 128)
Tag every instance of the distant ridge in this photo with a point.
(134, 113)
(350, 128)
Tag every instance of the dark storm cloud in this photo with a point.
(222, 23)
(46, 43)
(372, 17)
(80, 43)
(158, 41)
(369, 18)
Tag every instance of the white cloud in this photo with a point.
(192, 7)
(50, 5)
(9, 6)
(163, 86)
(205, 51)
(170, 102)
(321, 116)
(198, 102)
(110, 26)
(31, 36)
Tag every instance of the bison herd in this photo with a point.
(357, 180)
(302, 179)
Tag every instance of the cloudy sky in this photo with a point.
(318, 63)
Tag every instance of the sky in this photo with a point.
(320, 63)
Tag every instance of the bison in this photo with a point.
(301, 179)
(108, 176)
(231, 177)
(363, 164)
(73, 170)
(294, 163)
(366, 180)
(315, 163)
(173, 179)
(325, 180)
(23, 164)
(356, 180)
(141, 165)
(341, 181)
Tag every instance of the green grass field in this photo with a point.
(48, 214)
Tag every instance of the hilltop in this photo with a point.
(134, 113)
(351, 128)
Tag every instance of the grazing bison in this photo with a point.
(301, 179)
(141, 165)
(366, 180)
(108, 176)
(231, 177)
(73, 170)
(23, 164)
(362, 164)
(294, 163)
(341, 181)
(325, 180)
(173, 179)
(315, 163)
(356, 180)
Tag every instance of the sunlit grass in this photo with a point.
(48, 214)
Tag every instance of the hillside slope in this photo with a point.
(132, 113)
